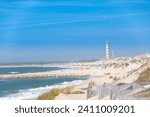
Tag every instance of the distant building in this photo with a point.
(107, 50)
(113, 54)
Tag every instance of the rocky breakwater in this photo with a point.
(68, 73)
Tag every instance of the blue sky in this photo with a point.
(62, 30)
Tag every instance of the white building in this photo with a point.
(107, 50)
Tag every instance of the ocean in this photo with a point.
(30, 89)
(18, 70)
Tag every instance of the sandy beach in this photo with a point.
(119, 70)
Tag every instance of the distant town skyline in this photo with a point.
(68, 30)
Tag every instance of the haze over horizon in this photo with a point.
(62, 30)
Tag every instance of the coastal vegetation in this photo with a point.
(144, 76)
(91, 84)
(51, 95)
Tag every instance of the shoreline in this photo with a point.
(123, 70)
(32, 93)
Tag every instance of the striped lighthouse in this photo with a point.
(107, 51)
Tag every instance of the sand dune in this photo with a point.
(119, 70)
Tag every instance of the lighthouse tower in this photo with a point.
(107, 51)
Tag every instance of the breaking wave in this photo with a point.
(13, 72)
(33, 93)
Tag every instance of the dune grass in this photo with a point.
(51, 95)
(144, 76)
(91, 84)
(78, 92)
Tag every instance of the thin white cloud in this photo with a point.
(27, 3)
(78, 3)
(84, 19)
(133, 1)
(11, 6)
(34, 3)
(8, 7)
(49, 3)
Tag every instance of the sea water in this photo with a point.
(32, 88)
(20, 70)
(27, 89)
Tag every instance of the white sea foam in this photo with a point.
(14, 72)
(33, 93)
